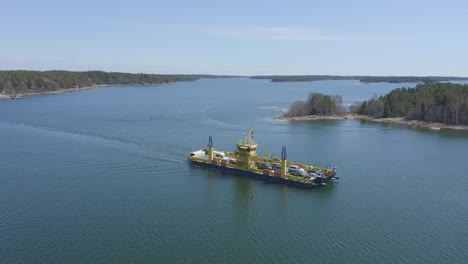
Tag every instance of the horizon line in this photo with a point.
(240, 75)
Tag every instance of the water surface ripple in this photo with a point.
(100, 176)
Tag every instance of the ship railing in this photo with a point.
(288, 176)
(199, 159)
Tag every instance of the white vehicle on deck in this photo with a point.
(296, 170)
(203, 154)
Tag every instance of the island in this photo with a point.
(363, 79)
(432, 105)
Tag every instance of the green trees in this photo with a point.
(12, 82)
(430, 102)
(317, 104)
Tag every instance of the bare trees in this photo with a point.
(317, 104)
(297, 109)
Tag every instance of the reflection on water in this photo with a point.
(243, 191)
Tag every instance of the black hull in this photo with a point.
(318, 182)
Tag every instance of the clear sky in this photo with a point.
(237, 37)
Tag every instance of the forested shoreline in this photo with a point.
(30, 82)
(431, 102)
(363, 79)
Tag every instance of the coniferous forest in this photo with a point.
(431, 102)
(12, 82)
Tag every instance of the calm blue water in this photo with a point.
(100, 176)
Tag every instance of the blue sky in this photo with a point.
(237, 37)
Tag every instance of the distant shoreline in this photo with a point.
(16, 83)
(70, 90)
(362, 78)
(392, 120)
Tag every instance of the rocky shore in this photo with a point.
(69, 90)
(393, 120)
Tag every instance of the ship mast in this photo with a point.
(283, 162)
(209, 148)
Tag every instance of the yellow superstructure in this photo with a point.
(245, 161)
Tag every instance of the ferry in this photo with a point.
(244, 161)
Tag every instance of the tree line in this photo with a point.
(12, 82)
(408, 79)
(304, 78)
(364, 79)
(317, 104)
(431, 102)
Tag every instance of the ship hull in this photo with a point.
(265, 177)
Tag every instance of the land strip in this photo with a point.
(391, 120)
